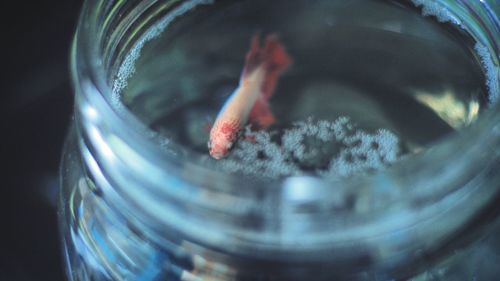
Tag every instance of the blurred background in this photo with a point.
(36, 112)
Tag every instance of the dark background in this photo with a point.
(36, 106)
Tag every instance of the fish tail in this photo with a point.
(277, 61)
(274, 59)
(272, 56)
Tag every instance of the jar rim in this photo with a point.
(94, 73)
(476, 144)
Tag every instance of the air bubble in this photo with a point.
(491, 71)
(127, 68)
(349, 150)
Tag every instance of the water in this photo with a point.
(394, 81)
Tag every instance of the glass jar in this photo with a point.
(132, 210)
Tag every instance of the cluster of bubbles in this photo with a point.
(326, 148)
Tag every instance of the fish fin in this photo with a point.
(272, 56)
(273, 59)
(277, 61)
(261, 114)
(254, 56)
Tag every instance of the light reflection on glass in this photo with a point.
(449, 108)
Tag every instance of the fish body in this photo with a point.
(250, 101)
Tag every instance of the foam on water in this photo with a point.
(431, 8)
(442, 14)
(492, 72)
(127, 68)
(345, 149)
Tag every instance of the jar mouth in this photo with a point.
(89, 58)
(435, 175)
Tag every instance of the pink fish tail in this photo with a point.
(272, 56)
(277, 61)
(274, 59)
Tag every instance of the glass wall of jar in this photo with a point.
(135, 206)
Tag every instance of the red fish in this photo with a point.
(250, 101)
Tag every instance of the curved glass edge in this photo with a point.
(116, 139)
(139, 138)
